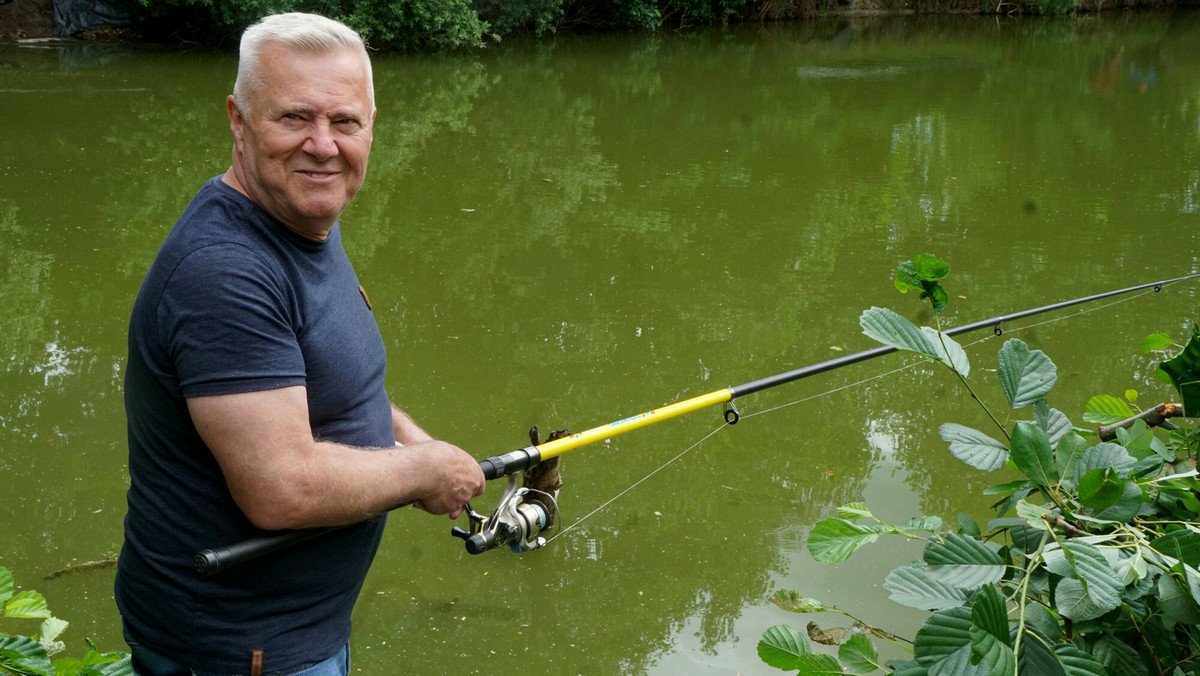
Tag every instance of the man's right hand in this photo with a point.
(461, 479)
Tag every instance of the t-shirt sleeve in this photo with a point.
(229, 321)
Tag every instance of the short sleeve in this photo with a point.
(228, 320)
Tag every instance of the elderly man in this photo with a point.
(255, 385)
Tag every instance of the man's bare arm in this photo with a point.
(407, 432)
(282, 478)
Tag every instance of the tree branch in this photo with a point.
(1154, 417)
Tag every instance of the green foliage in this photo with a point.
(407, 24)
(427, 25)
(30, 655)
(924, 273)
(1183, 370)
(1091, 569)
(507, 16)
(1052, 7)
(416, 24)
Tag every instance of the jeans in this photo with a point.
(146, 662)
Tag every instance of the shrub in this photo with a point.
(1091, 568)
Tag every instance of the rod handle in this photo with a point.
(510, 463)
(215, 560)
(211, 561)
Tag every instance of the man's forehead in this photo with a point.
(282, 52)
(303, 71)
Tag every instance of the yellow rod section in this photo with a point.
(557, 447)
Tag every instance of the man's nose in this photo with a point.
(320, 143)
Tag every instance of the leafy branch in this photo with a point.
(1092, 567)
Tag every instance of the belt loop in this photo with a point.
(256, 659)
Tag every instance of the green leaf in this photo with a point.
(1006, 488)
(23, 655)
(782, 647)
(1104, 455)
(835, 540)
(891, 329)
(923, 274)
(1125, 508)
(1184, 371)
(6, 585)
(1038, 617)
(993, 653)
(1032, 514)
(1102, 583)
(1105, 409)
(1182, 544)
(926, 523)
(949, 352)
(1036, 657)
(859, 655)
(907, 668)
(1119, 658)
(989, 613)
(1032, 454)
(1072, 601)
(52, 628)
(27, 604)
(814, 664)
(1100, 488)
(1132, 568)
(907, 277)
(937, 296)
(855, 510)
(962, 562)
(1156, 341)
(913, 587)
(974, 447)
(1067, 453)
(1055, 423)
(930, 268)
(943, 633)
(793, 602)
(961, 662)
(967, 525)
(1078, 663)
(122, 666)
(1025, 375)
(1175, 597)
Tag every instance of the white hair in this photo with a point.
(296, 31)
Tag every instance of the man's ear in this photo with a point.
(236, 121)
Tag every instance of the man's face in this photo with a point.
(301, 150)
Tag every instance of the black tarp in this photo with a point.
(74, 16)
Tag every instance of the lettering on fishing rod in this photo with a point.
(631, 418)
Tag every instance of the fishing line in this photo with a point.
(637, 483)
(878, 376)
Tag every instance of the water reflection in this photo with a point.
(569, 232)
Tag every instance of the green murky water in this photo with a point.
(570, 232)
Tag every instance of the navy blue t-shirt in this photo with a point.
(236, 302)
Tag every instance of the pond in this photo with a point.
(571, 231)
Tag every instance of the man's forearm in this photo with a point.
(406, 430)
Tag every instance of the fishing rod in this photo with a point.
(520, 516)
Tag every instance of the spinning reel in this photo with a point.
(517, 521)
(524, 512)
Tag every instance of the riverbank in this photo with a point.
(33, 20)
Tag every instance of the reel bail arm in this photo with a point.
(517, 522)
